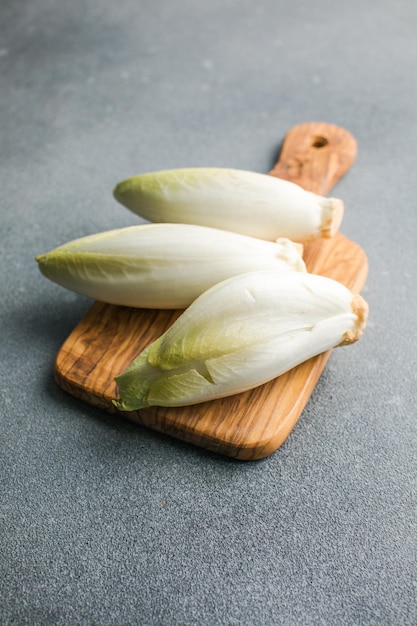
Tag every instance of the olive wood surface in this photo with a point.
(250, 425)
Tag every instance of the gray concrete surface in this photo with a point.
(106, 523)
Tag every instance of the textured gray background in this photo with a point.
(106, 523)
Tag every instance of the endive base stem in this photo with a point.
(361, 309)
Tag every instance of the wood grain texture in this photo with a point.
(250, 425)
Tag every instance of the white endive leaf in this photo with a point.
(240, 334)
(163, 266)
(254, 204)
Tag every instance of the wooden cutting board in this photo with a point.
(253, 424)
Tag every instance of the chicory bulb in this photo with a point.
(250, 203)
(163, 266)
(239, 334)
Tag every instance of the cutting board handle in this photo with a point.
(315, 155)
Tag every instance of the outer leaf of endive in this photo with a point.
(240, 334)
(161, 265)
(250, 203)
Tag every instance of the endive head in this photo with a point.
(240, 334)
(241, 201)
(162, 265)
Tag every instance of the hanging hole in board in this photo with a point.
(319, 142)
